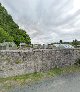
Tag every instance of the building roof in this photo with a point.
(22, 43)
(63, 45)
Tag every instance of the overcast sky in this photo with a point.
(46, 20)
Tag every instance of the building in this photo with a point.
(45, 46)
(78, 46)
(37, 46)
(51, 46)
(63, 46)
(8, 46)
(22, 45)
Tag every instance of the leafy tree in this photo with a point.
(61, 41)
(75, 42)
(11, 28)
(4, 36)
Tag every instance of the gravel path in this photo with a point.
(63, 83)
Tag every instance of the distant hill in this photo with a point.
(9, 30)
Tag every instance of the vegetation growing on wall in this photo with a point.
(10, 30)
(77, 62)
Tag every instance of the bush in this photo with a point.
(77, 62)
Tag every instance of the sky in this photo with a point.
(46, 21)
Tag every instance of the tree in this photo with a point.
(4, 36)
(61, 41)
(75, 42)
(11, 28)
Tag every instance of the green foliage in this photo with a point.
(4, 36)
(17, 62)
(75, 42)
(77, 62)
(12, 29)
(61, 41)
(35, 77)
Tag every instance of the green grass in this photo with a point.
(35, 77)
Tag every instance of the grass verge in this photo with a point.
(34, 77)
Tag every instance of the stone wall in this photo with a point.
(18, 62)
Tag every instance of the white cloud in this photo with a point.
(76, 4)
(46, 20)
